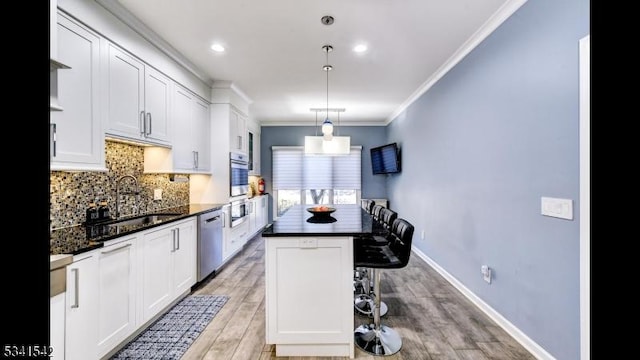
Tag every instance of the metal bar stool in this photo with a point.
(363, 301)
(376, 338)
(360, 273)
(367, 205)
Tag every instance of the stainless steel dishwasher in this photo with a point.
(209, 243)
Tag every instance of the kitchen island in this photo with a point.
(309, 280)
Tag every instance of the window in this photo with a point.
(317, 179)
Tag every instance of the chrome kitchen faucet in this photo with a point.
(136, 193)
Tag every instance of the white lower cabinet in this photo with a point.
(157, 252)
(184, 258)
(258, 214)
(323, 326)
(56, 325)
(168, 261)
(114, 290)
(253, 215)
(234, 238)
(81, 313)
(262, 212)
(117, 293)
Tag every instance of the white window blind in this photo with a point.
(293, 170)
(287, 163)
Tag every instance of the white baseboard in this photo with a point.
(535, 349)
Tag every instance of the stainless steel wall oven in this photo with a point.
(239, 175)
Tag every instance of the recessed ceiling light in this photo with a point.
(360, 48)
(217, 48)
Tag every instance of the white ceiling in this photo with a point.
(274, 49)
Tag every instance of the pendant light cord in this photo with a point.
(327, 70)
(316, 123)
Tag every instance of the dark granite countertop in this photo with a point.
(77, 239)
(347, 220)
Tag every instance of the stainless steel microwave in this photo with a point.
(238, 211)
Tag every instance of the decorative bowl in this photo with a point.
(321, 210)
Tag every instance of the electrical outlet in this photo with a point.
(306, 242)
(486, 273)
(422, 235)
(157, 194)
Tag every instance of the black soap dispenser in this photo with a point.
(103, 211)
(92, 213)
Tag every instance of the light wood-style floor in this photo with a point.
(434, 319)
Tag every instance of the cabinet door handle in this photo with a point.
(224, 218)
(173, 240)
(239, 142)
(197, 159)
(53, 138)
(150, 120)
(76, 286)
(178, 232)
(142, 124)
(112, 250)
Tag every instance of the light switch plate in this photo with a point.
(554, 207)
(157, 194)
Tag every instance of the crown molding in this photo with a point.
(143, 30)
(307, 123)
(226, 85)
(503, 13)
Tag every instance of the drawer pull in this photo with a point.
(112, 250)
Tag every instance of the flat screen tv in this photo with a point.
(385, 159)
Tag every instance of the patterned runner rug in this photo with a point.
(172, 334)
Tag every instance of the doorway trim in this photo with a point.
(585, 198)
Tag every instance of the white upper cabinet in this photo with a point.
(77, 138)
(183, 156)
(202, 135)
(237, 132)
(190, 152)
(253, 147)
(136, 99)
(125, 94)
(157, 94)
(191, 142)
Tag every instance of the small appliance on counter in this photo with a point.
(97, 214)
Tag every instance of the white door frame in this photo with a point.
(585, 198)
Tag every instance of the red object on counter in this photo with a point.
(261, 186)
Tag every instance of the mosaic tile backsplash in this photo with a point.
(72, 192)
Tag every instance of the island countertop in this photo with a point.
(347, 220)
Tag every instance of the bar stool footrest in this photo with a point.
(385, 341)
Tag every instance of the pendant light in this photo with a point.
(327, 144)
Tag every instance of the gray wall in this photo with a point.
(373, 186)
(481, 147)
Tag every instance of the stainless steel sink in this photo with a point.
(143, 219)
